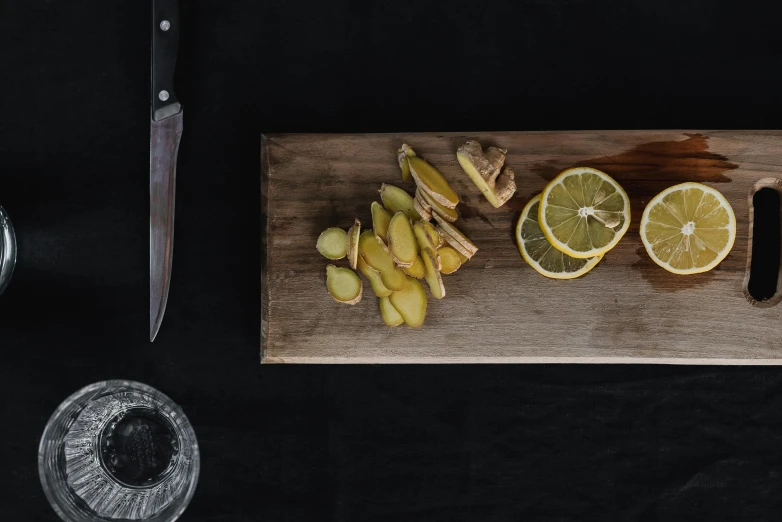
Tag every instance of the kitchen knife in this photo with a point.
(165, 133)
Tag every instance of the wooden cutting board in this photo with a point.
(497, 309)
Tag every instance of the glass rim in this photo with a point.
(7, 249)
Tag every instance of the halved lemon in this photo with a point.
(688, 228)
(584, 212)
(538, 252)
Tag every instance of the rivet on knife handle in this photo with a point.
(165, 44)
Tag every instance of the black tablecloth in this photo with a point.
(489, 443)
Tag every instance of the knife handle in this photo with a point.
(165, 43)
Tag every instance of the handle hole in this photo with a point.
(764, 277)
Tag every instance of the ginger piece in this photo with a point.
(433, 277)
(344, 285)
(401, 240)
(432, 182)
(453, 243)
(393, 278)
(402, 154)
(417, 269)
(485, 170)
(390, 315)
(375, 254)
(450, 260)
(453, 233)
(424, 239)
(352, 243)
(397, 200)
(380, 219)
(375, 280)
(449, 214)
(462, 258)
(436, 238)
(428, 238)
(422, 207)
(332, 243)
(410, 302)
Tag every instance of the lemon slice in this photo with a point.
(688, 228)
(538, 252)
(584, 212)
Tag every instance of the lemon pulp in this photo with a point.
(688, 228)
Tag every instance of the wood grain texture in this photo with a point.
(497, 309)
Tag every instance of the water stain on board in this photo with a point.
(646, 170)
(662, 162)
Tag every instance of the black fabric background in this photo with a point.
(429, 443)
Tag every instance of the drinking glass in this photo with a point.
(7, 250)
(118, 450)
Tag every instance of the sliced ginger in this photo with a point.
(449, 214)
(422, 207)
(456, 239)
(433, 277)
(424, 238)
(343, 284)
(377, 256)
(450, 260)
(402, 154)
(403, 246)
(417, 269)
(397, 200)
(332, 243)
(456, 245)
(431, 181)
(431, 230)
(410, 302)
(465, 254)
(380, 219)
(390, 315)
(401, 240)
(428, 239)
(352, 243)
(485, 170)
(374, 277)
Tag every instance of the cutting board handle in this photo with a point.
(763, 279)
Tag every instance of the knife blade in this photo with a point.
(165, 134)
